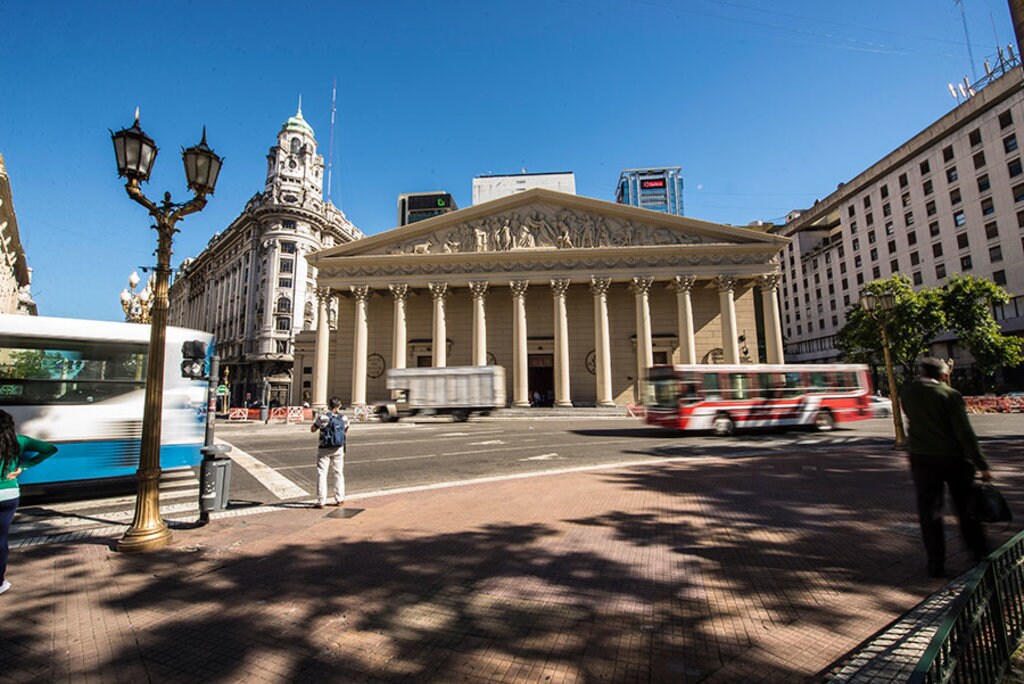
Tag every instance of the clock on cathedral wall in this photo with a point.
(375, 365)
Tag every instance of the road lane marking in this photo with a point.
(542, 457)
(279, 485)
(486, 442)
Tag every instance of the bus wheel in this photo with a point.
(460, 415)
(723, 425)
(824, 421)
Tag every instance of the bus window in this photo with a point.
(794, 385)
(741, 386)
(711, 388)
(819, 383)
(772, 385)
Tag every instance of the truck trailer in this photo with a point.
(456, 390)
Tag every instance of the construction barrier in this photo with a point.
(636, 410)
(296, 414)
(238, 414)
(993, 404)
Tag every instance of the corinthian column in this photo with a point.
(520, 385)
(683, 285)
(602, 341)
(478, 288)
(562, 393)
(439, 291)
(772, 323)
(641, 287)
(322, 354)
(727, 304)
(400, 293)
(361, 294)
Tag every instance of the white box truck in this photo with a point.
(456, 390)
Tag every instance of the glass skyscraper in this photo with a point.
(656, 188)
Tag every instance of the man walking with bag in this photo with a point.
(333, 426)
(944, 451)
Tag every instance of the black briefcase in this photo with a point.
(988, 505)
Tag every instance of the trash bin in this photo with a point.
(215, 479)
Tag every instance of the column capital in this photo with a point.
(559, 286)
(438, 290)
(641, 285)
(769, 281)
(478, 288)
(683, 284)
(726, 283)
(362, 293)
(323, 294)
(599, 285)
(519, 287)
(400, 291)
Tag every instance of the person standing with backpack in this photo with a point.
(333, 425)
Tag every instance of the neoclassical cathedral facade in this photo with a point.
(574, 297)
(254, 285)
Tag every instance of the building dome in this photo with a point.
(297, 123)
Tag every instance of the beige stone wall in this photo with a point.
(540, 332)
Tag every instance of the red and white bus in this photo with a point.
(723, 398)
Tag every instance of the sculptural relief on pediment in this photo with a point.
(543, 228)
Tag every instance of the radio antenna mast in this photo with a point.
(330, 147)
(970, 52)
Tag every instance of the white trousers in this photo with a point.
(324, 459)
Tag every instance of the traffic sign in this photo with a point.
(222, 390)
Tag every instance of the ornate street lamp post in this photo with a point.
(137, 305)
(878, 307)
(136, 153)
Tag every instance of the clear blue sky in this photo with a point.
(765, 105)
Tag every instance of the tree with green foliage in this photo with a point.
(967, 301)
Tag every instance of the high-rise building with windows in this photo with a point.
(492, 187)
(252, 286)
(655, 188)
(949, 200)
(417, 206)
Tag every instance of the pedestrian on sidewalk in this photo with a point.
(944, 452)
(333, 426)
(17, 452)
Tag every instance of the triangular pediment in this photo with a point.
(545, 220)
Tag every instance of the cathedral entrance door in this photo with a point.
(541, 379)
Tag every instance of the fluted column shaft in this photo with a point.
(520, 376)
(727, 305)
(439, 291)
(563, 394)
(479, 291)
(683, 285)
(641, 287)
(400, 294)
(361, 295)
(322, 354)
(772, 320)
(602, 341)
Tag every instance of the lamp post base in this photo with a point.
(137, 540)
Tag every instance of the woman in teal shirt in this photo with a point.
(17, 452)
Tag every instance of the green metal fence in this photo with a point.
(984, 626)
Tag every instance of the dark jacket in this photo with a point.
(938, 423)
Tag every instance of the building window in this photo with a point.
(886, 210)
(927, 187)
(911, 238)
(860, 279)
(851, 210)
(856, 244)
(933, 228)
(951, 174)
(284, 282)
(853, 227)
(987, 207)
(940, 271)
(282, 346)
(869, 218)
(288, 247)
(874, 254)
(876, 272)
(995, 254)
(947, 153)
(999, 277)
(857, 261)
(1020, 219)
(892, 246)
(962, 241)
(1010, 143)
(925, 167)
(991, 230)
(965, 262)
(979, 160)
(846, 300)
(844, 284)
(954, 196)
(284, 305)
(1005, 119)
(903, 180)
(286, 265)
(930, 208)
(959, 219)
(288, 225)
(871, 237)
(1018, 193)
(937, 249)
(867, 201)
(975, 137)
(983, 183)
(894, 266)
(915, 258)
(1014, 168)
(908, 219)
(884, 190)
(889, 229)
(835, 319)
(284, 323)
(905, 199)
(842, 267)
(917, 278)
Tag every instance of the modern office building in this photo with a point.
(252, 286)
(492, 187)
(949, 200)
(656, 188)
(416, 206)
(15, 275)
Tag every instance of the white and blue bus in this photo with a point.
(81, 384)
